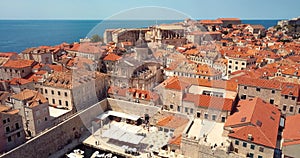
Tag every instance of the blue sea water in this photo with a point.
(17, 35)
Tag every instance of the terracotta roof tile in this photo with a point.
(291, 133)
(258, 118)
(20, 63)
(112, 57)
(211, 102)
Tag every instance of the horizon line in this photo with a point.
(143, 19)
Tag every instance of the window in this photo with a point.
(244, 144)
(186, 109)
(9, 139)
(243, 63)
(286, 97)
(46, 91)
(229, 66)
(284, 107)
(59, 102)
(58, 92)
(258, 89)
(178, 108)
(252, 147)
(8, 119)
(291, 108)
(223, 119)
(18, 134)
(236, 142)
(293, 98)
(66, 94)
(206, 116)
(250, 155)
(259, 156)
(299, 110)
(46, 119)
(171, 106)
(230, 61)
(214, 117)
(7, 129)
(261, 149)
(52, 92)
(245, 87)
(191, 111)
(243, 97)
(17, 126)
(271, 101)
(53, 101)
(67, 103)
(198, 114)
(236, 68)
(236, 62)
(4, 121)
(273, 91)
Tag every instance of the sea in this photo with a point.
(17, 35)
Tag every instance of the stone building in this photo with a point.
(19, 68)
(204, 138)
(33, 107)
(42, 54)
(131, 73)
(92, 51)
(192, 70)
(227, 22)
(74, 89)
(5, 56)
(18, 84)
(284, 96)
(239, 62)
(254, 129)
(209, 99)
(11, 128)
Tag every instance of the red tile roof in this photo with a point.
(172, 122)
(176, 140)
(112, 57)
(19, 81)
(20, 63)
(291, 133)
(210, 102)
(255, 117)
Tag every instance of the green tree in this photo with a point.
(96, 38)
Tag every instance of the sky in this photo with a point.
(100, 9)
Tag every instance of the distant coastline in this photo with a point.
(17, 35)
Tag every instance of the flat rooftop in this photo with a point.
(55, 112)
(213, 131)
(199, 90)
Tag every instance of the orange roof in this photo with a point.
(20, 63)
(112, 57)
(291, 133)
(172, 122)
(255, 117)
(229, 19)
(257, 82)
(56, 67)
(176, 140)
(211, 102)
(228, 85)
(214, 22)
(175, 83)
(19, 81)
(7, 54)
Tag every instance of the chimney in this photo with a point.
(250, 138)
